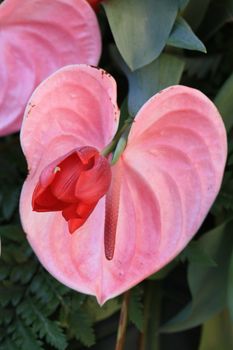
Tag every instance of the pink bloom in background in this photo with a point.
(161, 187)
(38, 37)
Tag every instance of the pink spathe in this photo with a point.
(38, 37)
(161, 190)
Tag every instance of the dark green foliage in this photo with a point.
(208, 282)
(136, 307)
(35, 309)
(82, 327)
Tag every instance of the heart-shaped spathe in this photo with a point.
(162, 186)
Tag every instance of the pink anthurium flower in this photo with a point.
(38, 37)
(128, 220)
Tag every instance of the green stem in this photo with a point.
(121, 333)
(112, 145)
(150, 336)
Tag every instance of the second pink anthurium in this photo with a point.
(101, 229)
(38, 37)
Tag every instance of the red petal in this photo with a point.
(94, 183)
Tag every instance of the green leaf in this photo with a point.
(12, 232)
(219, 13)
(6, 315)
(195, 253)
(224, 201)
(10, 294)
(4, 271)
(147, 81)
(23, 272)
(161, 274)
(217, 333)
(230, 288)
(10, 202)
(152, 310)
(24, 338)
(194, 13)
(100, 313)
(136, 308)
(182, 36)
(35, 315)
(183, 4)
(48, 290)
(202, 66)
(9, 345)
(208, 285)
(141, 28)
(81, 327)
(224, 102)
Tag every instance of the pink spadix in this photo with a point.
(161, 187)
(38, 37)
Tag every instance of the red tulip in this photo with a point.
(161, 189)
(38, 37)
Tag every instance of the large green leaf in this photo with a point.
(141, 28)
(194, 253)
(208, 284)
(224, 102)
(147, 81)
(219, 13)
(182, 36)
(217, 333)
(195, 12)
(183, 4)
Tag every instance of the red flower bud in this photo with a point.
(73, 184)
(94, 3)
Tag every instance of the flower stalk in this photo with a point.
(119, 141)
(121, 333)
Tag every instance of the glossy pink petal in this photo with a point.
(162, 187)
(37, 38)
(172, 171)
(75, 107)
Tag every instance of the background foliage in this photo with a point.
(147, 45)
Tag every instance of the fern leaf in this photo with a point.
(49, 291)
(24, 337)
(81, 327)
(9, 345)
(34, 314)
(136, 308)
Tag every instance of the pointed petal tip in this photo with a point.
(102, 299)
